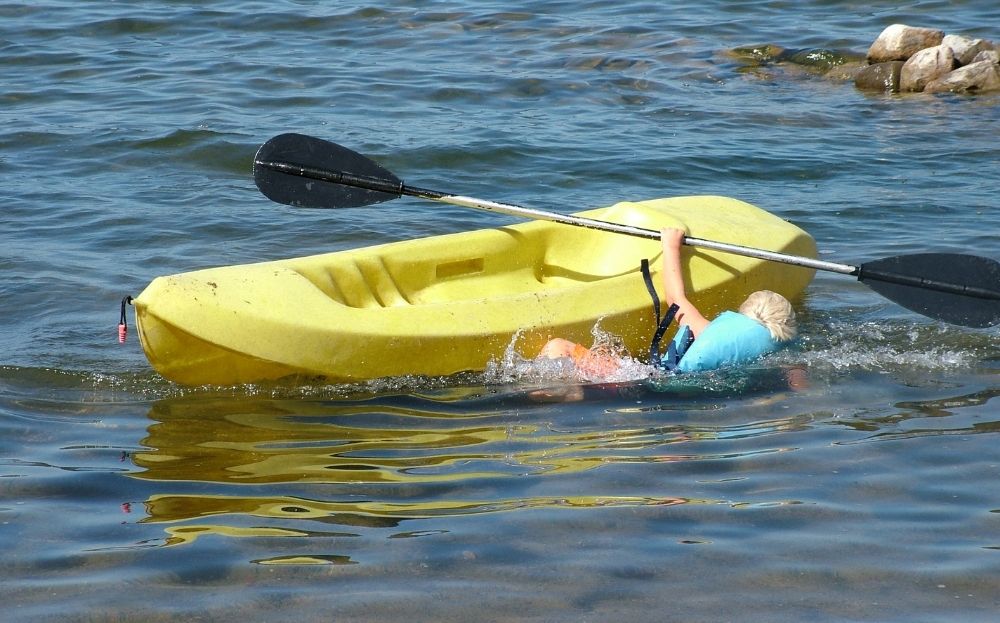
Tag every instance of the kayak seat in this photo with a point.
(533, 258)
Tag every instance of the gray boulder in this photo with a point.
(899, 42)
(965, 49)
(926, 65)
(973, 78)
(992, 56)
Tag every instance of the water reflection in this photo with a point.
(407, 439)
(305, 467)
(364, 513)
(952, 415)
(311, 442)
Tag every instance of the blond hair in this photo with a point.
(773, 311)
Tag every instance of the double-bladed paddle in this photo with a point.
(304, 171)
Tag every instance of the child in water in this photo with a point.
(764, 323)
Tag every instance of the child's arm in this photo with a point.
(673, 281)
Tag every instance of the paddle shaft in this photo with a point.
(386, 186)
(860, 272)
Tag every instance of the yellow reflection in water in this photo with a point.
(413, 445)
(188, 534)
(306, 560)
(272, 442)
(173, 508)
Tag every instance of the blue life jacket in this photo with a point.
(731, 338)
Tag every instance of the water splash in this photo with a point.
(881, 347)
(826, 347)
(513, 367)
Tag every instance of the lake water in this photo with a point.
(127, 132)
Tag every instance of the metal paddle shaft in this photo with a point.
(304, 171)
(283, 177)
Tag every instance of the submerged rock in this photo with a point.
(981, 76)
(835, 64)
(926, 65)
(758, 54)
(899, 42)
(880, 77)
(819, 58)
(847, 72)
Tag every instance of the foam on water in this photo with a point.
(880, 346)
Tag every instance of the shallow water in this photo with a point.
(126, 137)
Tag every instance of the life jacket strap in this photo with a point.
(670, 360)
(648, 279)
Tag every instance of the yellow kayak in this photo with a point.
(446, 304)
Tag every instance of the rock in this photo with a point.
(821, 59)
(899, 42)
(846, 72)
(987, 55)
(758, 54)
(879, 77)
(964, 48)
(926, 65)
(973, 78)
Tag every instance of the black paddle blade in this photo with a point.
(951, 287)
(303, 171)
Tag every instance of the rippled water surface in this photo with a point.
(127, 133)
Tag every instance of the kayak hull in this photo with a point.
(447, 304)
